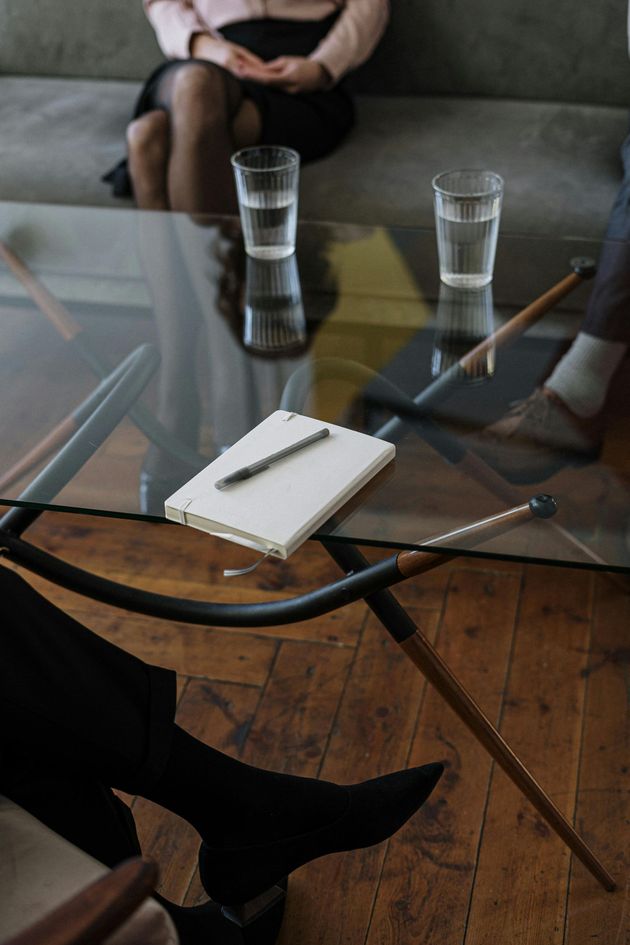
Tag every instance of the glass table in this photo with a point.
(137, 346)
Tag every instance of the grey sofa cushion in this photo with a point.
(59, 136)
(560, 162)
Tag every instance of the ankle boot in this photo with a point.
(374, 810)
(213, 924)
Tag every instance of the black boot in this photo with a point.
(257, 826)
(374, 811)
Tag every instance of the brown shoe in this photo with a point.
(538, 437)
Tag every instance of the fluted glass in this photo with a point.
(267, 189)
(467, 209)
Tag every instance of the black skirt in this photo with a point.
(313, 123)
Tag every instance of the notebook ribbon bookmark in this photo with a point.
(237, 572)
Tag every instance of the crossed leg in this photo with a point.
(179, 151)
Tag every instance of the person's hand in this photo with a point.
(289, 73)
(236, 59)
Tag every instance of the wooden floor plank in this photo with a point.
(332, 897)
(293, 723)
(177, 551)
(432, 859)
(595, 917)
(522, 873)
(183, 563)
(341, 626)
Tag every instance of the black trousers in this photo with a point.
(608, 313)
(79, 716)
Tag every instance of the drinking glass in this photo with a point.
(267, 188)
(467, 209)
(274, 314)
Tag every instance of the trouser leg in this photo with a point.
(78, 807)
(75, 702)
(608, 313)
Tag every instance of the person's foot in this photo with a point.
(372, 811)
(537, 437)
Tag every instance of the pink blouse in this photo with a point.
(351, 40)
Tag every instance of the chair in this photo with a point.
(52, 893)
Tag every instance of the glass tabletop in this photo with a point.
(357, 316)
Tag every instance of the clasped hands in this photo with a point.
(289, 73)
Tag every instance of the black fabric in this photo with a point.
(113, 723)
(313, 123)
(78, 807)
(231, 803)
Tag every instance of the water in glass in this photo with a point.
(467, 240)
(269, 221)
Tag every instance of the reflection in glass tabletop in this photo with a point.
(351, 330)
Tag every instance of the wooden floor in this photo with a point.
(545, 651)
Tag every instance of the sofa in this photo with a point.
(534, 90)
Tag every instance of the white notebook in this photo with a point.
(280, 507)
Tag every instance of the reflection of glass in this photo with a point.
(274, 313)
(464, 320)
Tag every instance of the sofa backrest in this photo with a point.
(562, 50)
(554, 50)
(86, 38)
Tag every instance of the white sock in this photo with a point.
(581, 377)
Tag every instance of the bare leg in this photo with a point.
(148, 148)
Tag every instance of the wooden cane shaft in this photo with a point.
(51, 307)
(520, 322)
(413, 562)
(433, 667)
(482, 473)
(52, 441)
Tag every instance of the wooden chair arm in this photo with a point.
(95, 912)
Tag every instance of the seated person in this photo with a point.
(562, 421)
(234, 80)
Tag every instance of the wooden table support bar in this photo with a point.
(436, 671)
(528, 316)
(411, 563)
(425, 657)
(67, 427)
(435, 392)
(55, 311)
(72, 332)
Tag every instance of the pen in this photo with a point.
(246, 472)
